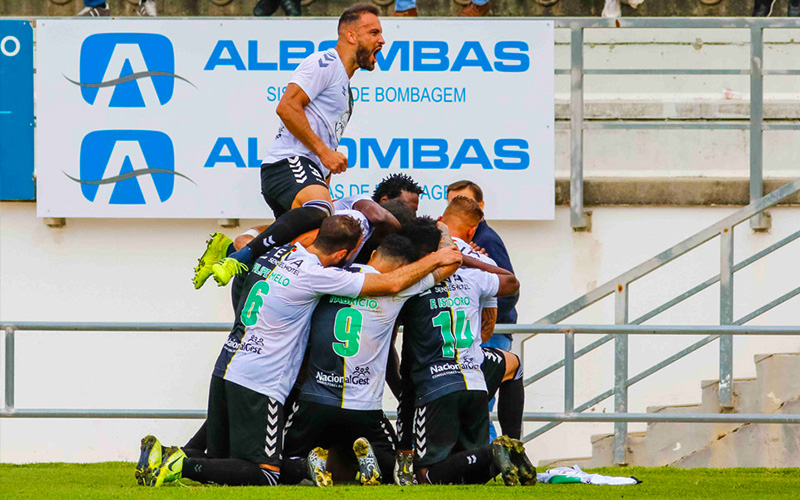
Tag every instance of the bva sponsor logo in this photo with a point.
(119, 60)
(128, 155)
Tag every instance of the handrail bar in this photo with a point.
(672, 253)
(677, 300)
(519, 329)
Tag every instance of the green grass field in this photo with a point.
(115, 480)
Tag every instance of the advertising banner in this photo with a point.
(171, 118)
(16, 110)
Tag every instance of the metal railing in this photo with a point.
(619, 287)
(756, 124)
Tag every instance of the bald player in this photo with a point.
(314, 112)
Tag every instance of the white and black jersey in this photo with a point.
(349, 202)
(276, 315)
(442, 335)
(366, 230)
(466, 249)
(349, 345)
(323, 78)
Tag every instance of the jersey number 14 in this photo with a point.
(460, 337)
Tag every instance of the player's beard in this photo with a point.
(364, 58)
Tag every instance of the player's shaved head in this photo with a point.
(352, 15)
(338, 232)
(398, 249)
(462, 216)
(424, 233)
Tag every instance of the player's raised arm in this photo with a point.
(291, 110)
(403, 277)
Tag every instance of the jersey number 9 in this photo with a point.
(347, 330)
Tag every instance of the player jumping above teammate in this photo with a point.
(261, 360)
(314, 112)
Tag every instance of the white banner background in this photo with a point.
(236, 99)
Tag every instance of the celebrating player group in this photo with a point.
(296, 393)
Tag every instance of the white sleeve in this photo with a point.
(418, 287)
(490, 285)
(336, 281)
(489, 302)
(311, 77)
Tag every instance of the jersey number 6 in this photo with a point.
(255, 299)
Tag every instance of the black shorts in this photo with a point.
(456, 422)
(311, 424)
(493, 368)
(282, 180)
(244, 424)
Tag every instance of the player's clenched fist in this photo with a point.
(448, 256)
(334, 161)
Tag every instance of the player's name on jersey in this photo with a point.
(358, 301)
(270, 275)
(449, 302)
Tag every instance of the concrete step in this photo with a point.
(668, 442)
(751, 445)
(745, 396)
(674, 409)
(603, 448)
(777, 376)
(773, 390)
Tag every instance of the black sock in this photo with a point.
(465, 467)
(286, 228)
(196, 447)
(294, 470)
(510, 402)
(229, 472)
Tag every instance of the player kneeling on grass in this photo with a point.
(444, 385)
(261, 360)
(340, 402)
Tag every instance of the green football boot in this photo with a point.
(216, 250)
(226, 269)
(526, 470)
(318, 467)
(369, 470)
(149, 458)
(170, 469)
(502, 447)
